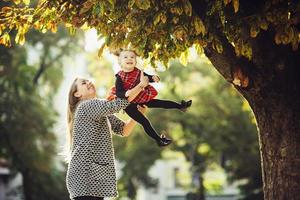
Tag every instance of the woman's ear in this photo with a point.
(76, 94)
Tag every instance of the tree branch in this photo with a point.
(44, 66)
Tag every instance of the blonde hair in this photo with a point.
(117, 52)
(72, 103)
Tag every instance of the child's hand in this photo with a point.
(155, 78)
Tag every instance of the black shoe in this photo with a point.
(164, 137)
(185, 105)
(164, 141)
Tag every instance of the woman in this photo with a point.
(91, 171)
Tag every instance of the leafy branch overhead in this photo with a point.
(157, 30)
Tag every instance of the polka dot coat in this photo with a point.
(91, 170)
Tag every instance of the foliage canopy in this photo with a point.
(159, 30)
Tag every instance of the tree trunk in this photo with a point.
(28, 190)
(201, 188)
(273, 94)
(278, 119)
(274, 98)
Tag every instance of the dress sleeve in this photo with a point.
(117, 124)
(120, 91)
(97, 108)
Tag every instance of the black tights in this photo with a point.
(89, 198)
(133, 112)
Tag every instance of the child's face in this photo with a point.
(127, 60)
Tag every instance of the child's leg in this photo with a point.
(158, 103)
(135, 114)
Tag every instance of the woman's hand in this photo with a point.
(144, 81)
(130, 124)
(142, 108)
(132, 93)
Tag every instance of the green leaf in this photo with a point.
(112, 3)
(131, 3)
(143, 4)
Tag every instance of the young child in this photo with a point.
(127, 78)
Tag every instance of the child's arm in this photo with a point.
(132, 93)
(120, 91)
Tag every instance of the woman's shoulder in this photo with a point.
(88, 102)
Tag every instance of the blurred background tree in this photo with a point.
(30, 77)
(219, 128)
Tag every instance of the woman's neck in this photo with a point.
(88, 97)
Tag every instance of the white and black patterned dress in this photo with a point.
(91, 171)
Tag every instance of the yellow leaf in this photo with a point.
(263, 25)
(163, 18)
(53, 28)
(157, 18)
(187, 8)
(277, 38)
(72, 30)
(227, 2)
(254, 30)
(219, 48)
(100, 51)
(44, 29)
(26, 2)
(184, 57)
(17, 1)
(199, 49)
(2, 27)
(199, 26)
(170, 1)
(236, 5)
(37, 25)
(179, 33)
(5, 40)
(6, 9)
(20, 38)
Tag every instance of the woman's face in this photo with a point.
(127, 60)
(85, 89)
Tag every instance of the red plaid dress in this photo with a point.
(130, 80)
